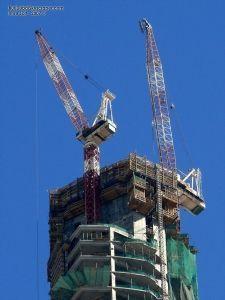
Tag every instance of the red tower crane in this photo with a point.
(161, 120)
(167, 157)
(91, 136)
(159, 103)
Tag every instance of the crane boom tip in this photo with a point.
(37, 32)
(109, 95)
(144, 24)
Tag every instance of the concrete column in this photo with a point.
(112, 262)
(156, 237)
(139, 226)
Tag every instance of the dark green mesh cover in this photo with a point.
(67, 285)
(181, 271)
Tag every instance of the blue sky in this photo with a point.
(103, 38)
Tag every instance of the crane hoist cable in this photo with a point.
(37, 180)
(180, 132)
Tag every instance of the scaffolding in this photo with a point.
(129, 191)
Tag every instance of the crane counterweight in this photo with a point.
(98, 133)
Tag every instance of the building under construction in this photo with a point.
(118, 258)
(115, 232)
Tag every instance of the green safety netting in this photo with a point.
(67, 285)
(182, 271)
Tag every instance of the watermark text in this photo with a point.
(33, 11)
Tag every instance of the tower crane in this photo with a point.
(161, 118)
(163, 131)
(91, 136)
(162, 125)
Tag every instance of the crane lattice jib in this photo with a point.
(159, 100)
(62, 84)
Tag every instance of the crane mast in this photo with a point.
(91, 137)
(161, 120)
(167, 157)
